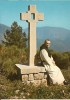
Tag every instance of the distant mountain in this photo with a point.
(3, 28)
(60, 37)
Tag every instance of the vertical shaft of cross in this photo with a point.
(32, 16)
(32, 43)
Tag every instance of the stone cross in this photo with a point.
(32, 16)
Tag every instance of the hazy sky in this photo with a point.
(56, 13)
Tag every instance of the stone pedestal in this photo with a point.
(35, 75)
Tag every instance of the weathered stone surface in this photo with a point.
(24, 77)
(39, 76)
(30, 70)
(31, 77)
(44, 81)
(24, 69)
(45, 75)
(32, 73)
(32, 16)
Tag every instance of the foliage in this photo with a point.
(9, 56)
(66, 73)
(15, 36)
(62, 59)
(18, 90)
(13, 51)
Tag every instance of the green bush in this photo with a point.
(66, 73)
(62, 59)
(9, 56)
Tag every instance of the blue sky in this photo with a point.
(56, 12)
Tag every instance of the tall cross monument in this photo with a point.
(32, 17)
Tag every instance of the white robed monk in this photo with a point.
(53, 70)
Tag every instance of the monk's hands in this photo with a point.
(53, 60)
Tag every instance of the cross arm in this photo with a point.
(40, 16)
(24, 16)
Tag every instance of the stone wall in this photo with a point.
(35, 78)
(33, 74)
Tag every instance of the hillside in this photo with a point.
(60, 37)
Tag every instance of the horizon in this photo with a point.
(39, 27)
(56, 13)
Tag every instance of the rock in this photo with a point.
(17, 91)
(39, 76)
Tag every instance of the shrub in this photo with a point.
(66, 73)
(9, 56)
(61, 59)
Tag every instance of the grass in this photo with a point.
(17, 90)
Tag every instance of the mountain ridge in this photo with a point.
(60, 37)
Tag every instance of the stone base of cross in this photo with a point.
(32, 73)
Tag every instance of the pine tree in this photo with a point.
(15, 36)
